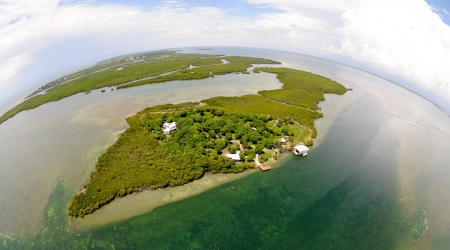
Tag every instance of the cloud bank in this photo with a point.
(41, 40)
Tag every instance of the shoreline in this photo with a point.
(137, 204)
(144, 202)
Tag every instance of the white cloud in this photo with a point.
(403, 37)
(443, 13)
(409, 40)
(10, 68)
(77, 34)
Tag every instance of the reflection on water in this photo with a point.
(377, 178)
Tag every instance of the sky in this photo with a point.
(407, 41)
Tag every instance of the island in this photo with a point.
(125, 72)
(173, 144)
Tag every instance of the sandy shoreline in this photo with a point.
(140, 203)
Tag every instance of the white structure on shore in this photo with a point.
(300, 150)
(167, 127)
(234, 157)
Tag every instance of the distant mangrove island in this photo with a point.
(162, 66)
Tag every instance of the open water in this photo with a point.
(378, 176)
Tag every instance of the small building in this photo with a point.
(234, 157)
(283, 140)
(167, 127)
(300, 150)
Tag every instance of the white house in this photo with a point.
(300, 150)
(234, 157)
(167, 127)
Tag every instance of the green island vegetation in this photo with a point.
(256, 104)
(301, 88)
(153, 65)
(236, 64)
(93, 69)
(122, 61)
(145, 158)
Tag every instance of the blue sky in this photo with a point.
(442, 8)
(41, 40)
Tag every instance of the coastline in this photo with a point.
(137, 204)
(143, 202)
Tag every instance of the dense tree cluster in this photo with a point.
(143, 157)
(256, 104)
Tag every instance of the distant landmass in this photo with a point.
(160, 66)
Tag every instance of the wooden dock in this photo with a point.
(264, 168)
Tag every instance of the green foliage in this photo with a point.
(309, 143)
(232, 149)
(301, 88)
(266, 156)
(92, 70)
(149, 56)
(259, 148)
(236, 64)
(254, 104)
(144, 158)
(138, 70)
(250, 155)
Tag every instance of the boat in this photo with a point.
(300, 150)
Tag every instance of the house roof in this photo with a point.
(234, 157)
(171, 125)
(301, 148)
